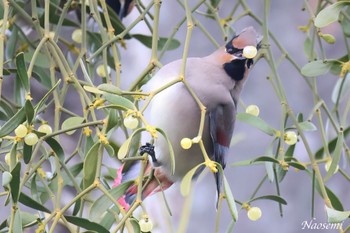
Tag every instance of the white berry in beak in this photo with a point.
(250, 51)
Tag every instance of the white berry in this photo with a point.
(130, 122)
(31, 139)
(290, 137)
(21, 131)
(250, 51)
(146, 225)
(45, 128)
(254, 213)
(101, 71)
(186, 143)
(253, 110)
(77, 36)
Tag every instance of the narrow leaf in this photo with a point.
(13, 122)
(336, 156)
(103, 203)
(186, 181)
(56, 147)
(315, 68)
(307, 126)
(22, 71)
(272, 198)
(28, 106)
(265, 159)
(72, 122)
(109, 88)
(28, 201)
(90, 164)
(341, 89)
(94, 90)
(256, 122)
(329, 14)
(171, 151)
(86, 224)
(15, 182)
(17, 222)
(124, 149)
(28, 219)
(27, 153)
(42, 101)
(336, 216)
(119, 101)
(230, 199)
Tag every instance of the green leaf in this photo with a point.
(265, 159)
(86, 224)
(331, 145)
(230, 199)
(336, 156)
(119, 101)
(28, 106)
(110, 150)
(336, 216)
(186, 181)
(90, 164)
(41, 59)
(297, 165)
(94, 90)
(336, 203)
(15, 182)
(27, 153)
(147, 41)
(22, 71)
(171, 150)
(124, 149)
(113, 119)
(307, 126)
(72, 122)
(28, 219)
(103, 203)
(280, 173)
(109, 88)
(256, 122)
(135, 225)
(329, 14)
(315, 68)
(345, 23)
(56, 147)
(341, 89)
(54, 17)
(309, 50)
(272, 198)
(108, 219)
(28, 201)
(17, 222)
(13, 122)
(42, 101)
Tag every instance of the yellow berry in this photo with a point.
(328, 165)
(146, 224)
(131, 122)
(45, 128)
(21, 131)
(186, 143)
(77, 35)
(254, 213)
(100, 70)
(31, 139)
(250, 51)
(290, 137)
(253, 110)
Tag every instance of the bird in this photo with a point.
(217, 80)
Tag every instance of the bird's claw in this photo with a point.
(149, 149)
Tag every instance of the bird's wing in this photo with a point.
(221, 122)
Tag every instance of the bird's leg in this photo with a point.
(149, 149)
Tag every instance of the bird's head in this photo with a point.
(241, 49)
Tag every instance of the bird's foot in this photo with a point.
(149, 149)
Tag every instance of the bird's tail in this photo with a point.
(153, 181)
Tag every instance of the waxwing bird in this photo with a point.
(217, 80)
